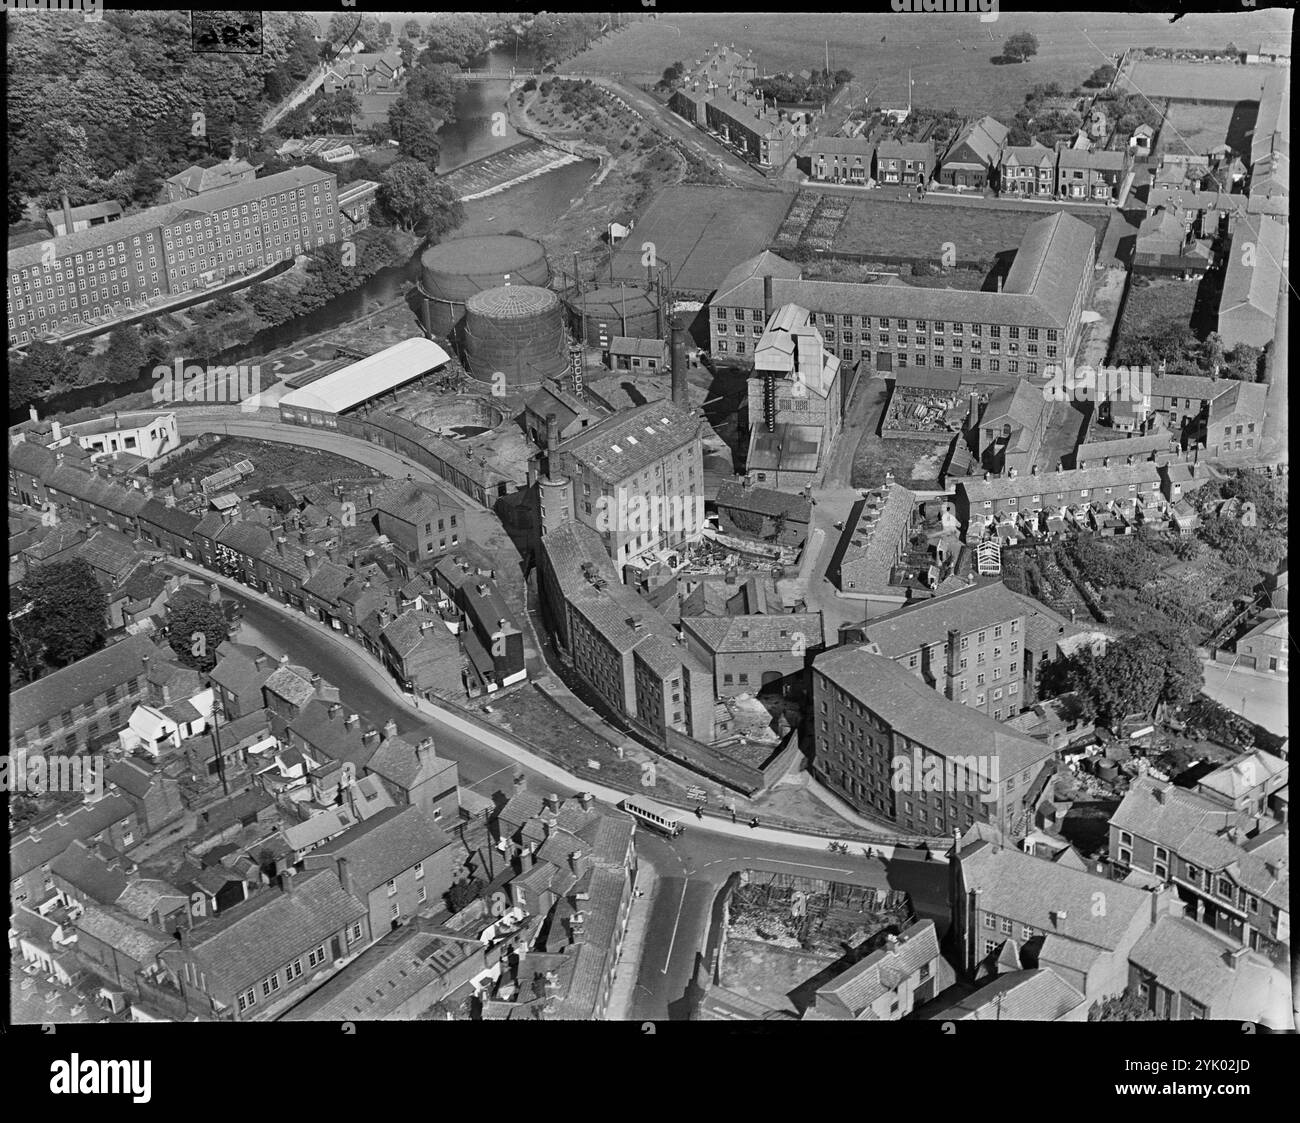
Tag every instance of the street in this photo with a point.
(1256, 695)
(692, 868)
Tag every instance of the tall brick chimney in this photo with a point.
(769, 299)
(680, 342)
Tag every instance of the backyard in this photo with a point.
(915, 464)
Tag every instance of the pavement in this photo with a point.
(644, 894)
(1256, 695)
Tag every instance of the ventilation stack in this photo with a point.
(680, 341)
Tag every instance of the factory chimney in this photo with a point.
(67, 214)
(679, 345)
(768, 300)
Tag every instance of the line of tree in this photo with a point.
(787, 89)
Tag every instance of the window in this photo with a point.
(293, 971)
(395, 910)
(247, 999)
(354, 933)
(270, 985)
(317, 957)
(419, 869)
(392, 886)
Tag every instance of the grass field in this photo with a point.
(1156, 303)
(887, 227)
(1198, 128)
(1161, 78)
(702, 232)
(949, 54)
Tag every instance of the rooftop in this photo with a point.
(369, 377)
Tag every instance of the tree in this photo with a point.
(124, 356)
(1126, 1007)
(195, 629)
(1102, 76)
(1019, 47)
(414, 196)
(458, 38)
(411, 29)
(66, 619)
(462, 894)
(415, 124)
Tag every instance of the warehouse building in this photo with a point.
(320, 403)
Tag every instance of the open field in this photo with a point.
(702, 233)
(949, 54)
(1198, 128)
(1161, 78)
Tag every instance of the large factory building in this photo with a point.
(321, 402)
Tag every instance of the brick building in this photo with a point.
(1032, 322)
(755, 653)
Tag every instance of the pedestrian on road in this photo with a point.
(753, 823)
(733, 814)
(699, 812)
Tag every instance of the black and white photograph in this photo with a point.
(647, 517)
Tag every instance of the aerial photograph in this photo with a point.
(648, 517)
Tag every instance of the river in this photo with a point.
(531, 208)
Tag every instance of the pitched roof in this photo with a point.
(1018, 996)
(243, 944)
(883, 970)
(1004, 487)
(753, 633)
(1028, 889)
(89, 871)
(1193, 960)
(122, 932)
(765, 264)
(985, 137)
(1244, 397)
(921, 713)
(872, 539)
(763, 500)
(1255, 285)
(1022, 405)
(79, 682)
(384, 845)
(1197, 827)
(39, 845)
(909, 629)
(842, 146)
(625, 444)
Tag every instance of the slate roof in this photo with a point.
(1028, 889)
(34, 848)
(396, 760)
(916, 626)
(1048, 270)
(293, 684)
(842, 146)
(1194, 826)
(1243, 775)
(78, 683)
(765, 264)
(739, 634)
(1244, 397)
(1017, 996)
(386, 975)
(87, 870)
(95, 236)
(916, 150)
(882, 971)
(243, 944)
(1052, 483)
(144, 895)
(985, 137)
(764, 501)
(870, 565)
(123, 933)
(921, 713)
(1189, 958)
(627, 443)
(1255, 286)
(384, 845)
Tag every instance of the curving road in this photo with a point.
(692, 868)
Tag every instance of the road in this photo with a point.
(692, 871)
(692, 868)
(236, 424)
(1256, 695)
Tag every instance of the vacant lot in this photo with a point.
(950, 55)
(702, 233)
(1194, 128)
(915, 464)
(273, 464)
(1153, 304)
(1161, 78)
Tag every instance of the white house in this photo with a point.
(155, 728)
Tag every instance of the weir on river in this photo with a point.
(525, 160)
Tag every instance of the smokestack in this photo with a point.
(679, 345)
(67, 214)
(31, 412)
(552, 431)
(768, 299)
